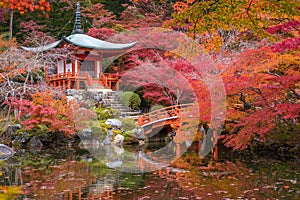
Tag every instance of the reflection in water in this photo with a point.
(140, 160)
(75, 176)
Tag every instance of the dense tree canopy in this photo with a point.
(253, 45)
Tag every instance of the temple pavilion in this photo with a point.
(84, 70)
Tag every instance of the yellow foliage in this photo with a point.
(5, 44)
(9, 192)
(213, 43)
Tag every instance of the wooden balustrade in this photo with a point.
(69, 78)
(167, 112)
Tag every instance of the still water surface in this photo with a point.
(73, 175)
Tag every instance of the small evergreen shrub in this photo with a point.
(128, 124)
(130, 99)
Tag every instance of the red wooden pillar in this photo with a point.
(77, 84)
(117, 86)
(73, 67)
(68, 80)
(100, 62)
(65, 63)
(95, 69)
(64, 84)
(78, 67)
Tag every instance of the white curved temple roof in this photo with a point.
(43, 48)
(84, 41)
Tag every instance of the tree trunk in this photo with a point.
(11, 23)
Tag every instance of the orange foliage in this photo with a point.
(26, 5)
(46, 113)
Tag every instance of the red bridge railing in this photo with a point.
(163, 113)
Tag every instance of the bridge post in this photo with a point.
(178, 150)
(215, 148)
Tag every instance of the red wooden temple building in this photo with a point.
(85, 69)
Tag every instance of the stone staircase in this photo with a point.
(97, 85)
(111, 99)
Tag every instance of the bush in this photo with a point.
(130, 99)
(45, 113)
(107, 113)
(128, 135)
(128, 124)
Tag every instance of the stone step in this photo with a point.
(118, 106)
(133, 117)
(130, 113)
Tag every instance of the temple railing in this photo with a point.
(109, 80)
(61, 76)
(111, 76)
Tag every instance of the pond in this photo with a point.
(77, 174)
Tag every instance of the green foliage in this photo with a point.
(107, 113)
(98, 168)
(286, 133)
(192, 158)
(156, 107)
(116, 132)
(127, 135)
(130, 99)
(128, 124)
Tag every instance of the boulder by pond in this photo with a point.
(114, 123)
(36, 142)
(5, 152)
(118, 140)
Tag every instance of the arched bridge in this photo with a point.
(168, 117)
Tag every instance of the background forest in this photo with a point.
(252, 44)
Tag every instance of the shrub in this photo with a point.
(128, 124)
(107, 113)
(130, 99)
(45, 113)
(128, 135)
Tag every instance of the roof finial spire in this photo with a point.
(77, 20)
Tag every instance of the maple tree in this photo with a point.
(25, 6)
(44, 113)
(100, 33)
(211, 21)
(261, 88)
(169, 86)
(22, 73)
(99, 15)
(145, 13)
